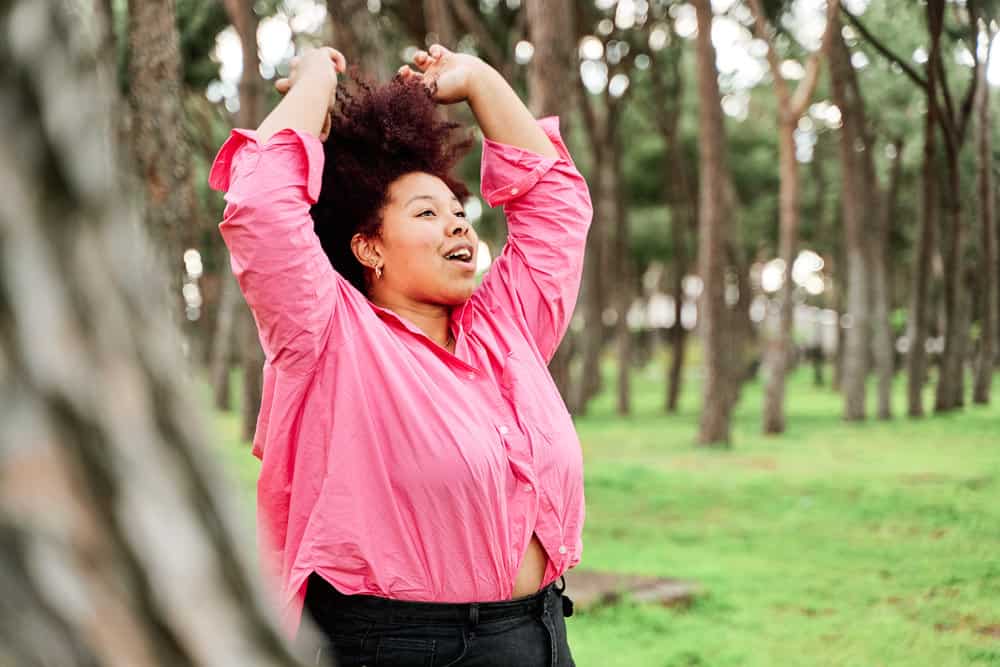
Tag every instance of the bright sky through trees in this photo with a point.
(740, 56)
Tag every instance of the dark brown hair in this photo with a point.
(378, 134)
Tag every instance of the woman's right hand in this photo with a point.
(317, 68)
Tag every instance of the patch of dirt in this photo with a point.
(759, 462)
(964, 622)
(590, 588)
(992, 630)
(810, 611)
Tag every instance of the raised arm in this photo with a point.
(526, 169)
(271, 177)
(306, 107)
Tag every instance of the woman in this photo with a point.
(421, 487)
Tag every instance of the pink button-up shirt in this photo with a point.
(391, 466)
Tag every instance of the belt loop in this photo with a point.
(474, 613)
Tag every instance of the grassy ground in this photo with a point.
(835, 544)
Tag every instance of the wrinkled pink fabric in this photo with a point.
(390, 466)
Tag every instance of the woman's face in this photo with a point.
(426, 247)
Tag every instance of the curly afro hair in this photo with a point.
(378, 134)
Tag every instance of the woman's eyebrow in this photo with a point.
(430, 197)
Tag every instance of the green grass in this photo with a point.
(834, 544)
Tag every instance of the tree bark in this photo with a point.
(950, 391)
(681, 196)
(231, 305)
(117, 544)
(714, 215)
(598, 254)
(160, 146)
(440, 23)
(988, 287)
(251, 114)
(552, 86)
(920, 312)
(624, 289)
(883, 339)
(791, 107)
(356, 34)
(856, 200)
(779, 348)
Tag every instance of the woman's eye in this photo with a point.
(422, 213)
(460, 214)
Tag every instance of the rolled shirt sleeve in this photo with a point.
(548, 208)
(275, 255)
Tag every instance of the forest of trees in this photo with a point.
(775, 184)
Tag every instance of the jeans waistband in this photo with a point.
(393, 611)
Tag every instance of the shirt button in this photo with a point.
(471, 376)
(562, 548)
(513, 191)
(503, 430)
(529, 488)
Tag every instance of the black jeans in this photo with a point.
(368, 631)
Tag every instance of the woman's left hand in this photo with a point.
(450, 75)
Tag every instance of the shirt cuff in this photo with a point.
(508, 171)
(220, 175)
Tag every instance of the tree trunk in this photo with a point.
(950, 392)
(791, 107)
(714, 214)
(779, 348)
(681, 195)
(678, 336)
(252, 112)
(883, 345)
(551, 92)
(739, 331)
(855, 200)
(439, 22)
(253, 374)
(624, 272)
(920, 312)
(356, 34)
(988, 278)
(595, 285)
(160, 146)
(231, 304)
(951, 383)
(117, 545)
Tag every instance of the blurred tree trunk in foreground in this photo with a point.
(117, 546)
(715, 212)
(856, 203)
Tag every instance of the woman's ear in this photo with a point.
(367, 251)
